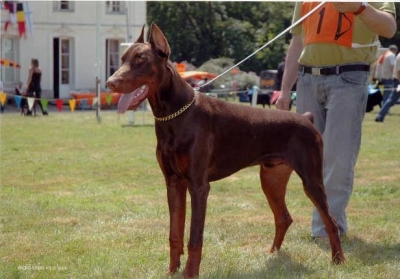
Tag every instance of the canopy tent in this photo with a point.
(197, 75)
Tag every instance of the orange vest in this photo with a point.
(327, 25)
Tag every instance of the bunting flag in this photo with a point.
(108, 99)
(18, 100)
(59, 104)
(31, 102)
(10, 63)
(72, 104)
(83, 104)
(21, 20)
(95, 101)
(3, 98)
(12, 18)
(44, 103)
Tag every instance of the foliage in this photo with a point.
(200, 31)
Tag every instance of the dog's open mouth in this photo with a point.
(133, 99)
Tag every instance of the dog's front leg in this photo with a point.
(176, 192)
(199, 195)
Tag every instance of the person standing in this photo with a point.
(330, 54)
(394, 95)
(384, 70)
(33, 84)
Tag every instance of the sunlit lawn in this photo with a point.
(82, 199)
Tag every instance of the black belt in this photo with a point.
(325, 71)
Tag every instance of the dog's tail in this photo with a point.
(309, 116)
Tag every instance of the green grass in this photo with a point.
(80, 199)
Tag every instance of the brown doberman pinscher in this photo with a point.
(200, 140)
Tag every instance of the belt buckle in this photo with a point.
(316, 71)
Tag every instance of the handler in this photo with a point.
(330, 53)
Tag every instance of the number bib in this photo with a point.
(327, 25)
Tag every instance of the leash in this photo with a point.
(264, 46)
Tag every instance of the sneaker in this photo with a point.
(378, 119)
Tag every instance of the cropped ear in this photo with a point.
(158, 41)
(141, 37)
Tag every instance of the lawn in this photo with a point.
(82, 199)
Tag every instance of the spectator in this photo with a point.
(384, 70)
(394, 95)
(33, 84)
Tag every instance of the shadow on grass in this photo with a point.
(281, 265)
(278, 265)
(357, 249)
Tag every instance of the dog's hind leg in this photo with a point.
(310, 172)
(315, 191)
(274, 181)
(176, 192)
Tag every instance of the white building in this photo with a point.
(69, 38)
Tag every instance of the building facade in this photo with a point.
(74, 41)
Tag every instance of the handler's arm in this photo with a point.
(290, 73)
(380, 22)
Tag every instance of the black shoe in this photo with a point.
(45, 113)
(378, 119)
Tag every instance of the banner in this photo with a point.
(19, 12)
(10, 63)
(84, 103)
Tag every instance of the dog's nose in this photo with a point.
(112, 83)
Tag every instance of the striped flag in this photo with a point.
(28, 18)
(12, 17)
(21, 20)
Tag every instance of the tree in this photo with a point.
(200, 31)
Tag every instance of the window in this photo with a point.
(115, 7)
(9, 75)
(63, 6)
(65, 61)
(113, 56)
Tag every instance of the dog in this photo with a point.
(374, 99)
(199, 141)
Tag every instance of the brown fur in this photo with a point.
(213, 139)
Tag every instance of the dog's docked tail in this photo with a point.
(309, 116)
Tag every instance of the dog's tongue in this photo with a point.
(125, 101)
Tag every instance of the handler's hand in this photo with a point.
(346, 7)
(283, 101)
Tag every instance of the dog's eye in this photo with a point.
(139, 59)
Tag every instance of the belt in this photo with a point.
(337, 70)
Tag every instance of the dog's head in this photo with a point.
(140, 69)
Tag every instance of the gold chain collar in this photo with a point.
(177, 113)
